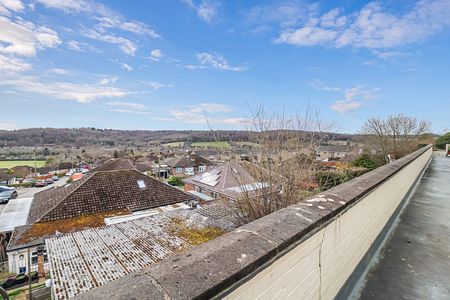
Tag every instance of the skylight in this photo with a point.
(141, 184)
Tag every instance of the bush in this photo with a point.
(175, 181)
(364, 161)
(443, 140)
(22, 185)
(330, 179)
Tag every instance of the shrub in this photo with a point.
(443, 140)
(175, 181)
(364, 161)
(330, 179)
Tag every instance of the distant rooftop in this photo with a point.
(115, 164)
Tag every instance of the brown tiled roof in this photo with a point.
(103, 191)
(143, 167)
(115, 164)
(188, 160)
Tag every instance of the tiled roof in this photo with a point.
(104, 191)
(115, 164)
(189, 160)
(223, 179)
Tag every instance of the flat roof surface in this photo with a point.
(15, 214)
(416, 261)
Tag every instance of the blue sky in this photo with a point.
(168, 64)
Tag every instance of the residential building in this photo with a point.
(332, 152)
(224, 182)
(85, 204)
(188, 164)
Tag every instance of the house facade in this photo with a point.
(188, 164)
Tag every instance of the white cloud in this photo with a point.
(128, 111)
(129, 108)
(371, 27)
(125, 45)
(319, 85)
(6, 6)
(307, 36)
(156, 54)
(24, 38)
(81, 46)
(126, 67)
(215, 61)
(345, 106)
(283, 13)
(107, 80)
(80, 92)
(156, 85)
(59, 71)
(199, 115)
(354, 98)
(13, 65)
(106, 17)
(206, 10)
(128, 105)
(211, 108)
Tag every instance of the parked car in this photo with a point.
(40, 183)
(55, 178)
(49, 181)
(29, 180)
(7, 193)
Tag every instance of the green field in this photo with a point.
(174, 144)
(211, 144)
(13, 163)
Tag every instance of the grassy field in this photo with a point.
(174, 144)
(211, 144)
(13, 163)
(249, 144)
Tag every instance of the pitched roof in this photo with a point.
(224, 179)
(115, 164)
(103, 191)
(189, 160)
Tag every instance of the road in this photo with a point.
(29, 192)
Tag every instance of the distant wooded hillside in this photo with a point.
(110, 137)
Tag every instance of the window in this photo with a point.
(202, 168)
(178, 170)
(34, 257)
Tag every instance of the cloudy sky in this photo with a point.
(168, 64)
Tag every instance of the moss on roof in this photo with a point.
(48, 229)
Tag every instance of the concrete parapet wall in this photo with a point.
(306, 251)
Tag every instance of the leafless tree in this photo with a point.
(283, 172)
(394, 135)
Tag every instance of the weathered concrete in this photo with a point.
(416, 261)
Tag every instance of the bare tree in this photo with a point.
(394, 135)
(284, 170)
